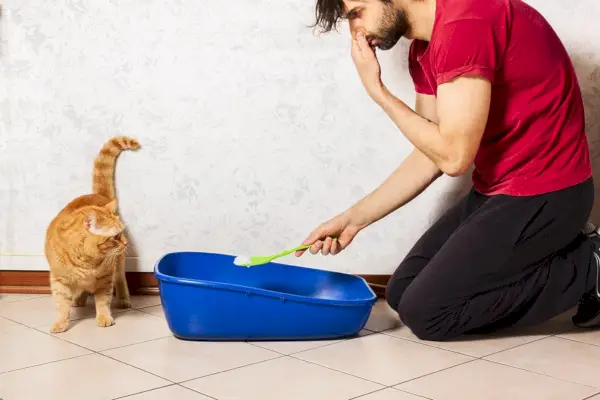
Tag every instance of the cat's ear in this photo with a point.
(112, 206)
(90, 223)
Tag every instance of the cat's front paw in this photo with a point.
(104, 320)
(59, 326)
(123, 303)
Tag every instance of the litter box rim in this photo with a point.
(248, 290)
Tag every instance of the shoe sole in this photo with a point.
(595, 321)
(592, 323)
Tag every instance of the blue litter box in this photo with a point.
(206, 297)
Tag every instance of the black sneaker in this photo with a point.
(588, 312)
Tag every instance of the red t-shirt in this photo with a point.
(535, 140)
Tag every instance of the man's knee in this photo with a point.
(393, 293)
(401, 280)
(423, 319)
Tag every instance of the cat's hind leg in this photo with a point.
(63, 297)
(123, 298)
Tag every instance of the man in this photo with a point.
(495, 88)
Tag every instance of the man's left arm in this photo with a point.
(463, 107)
(464, 76)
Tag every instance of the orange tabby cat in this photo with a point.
(85, 245)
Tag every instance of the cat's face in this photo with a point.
(104, 231)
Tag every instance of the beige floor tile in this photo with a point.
(383, 359)
(382, 317)
(282, 378)
(7, 326)
(130, 327)
(179, 360)
(291, 347)
(42, 311)
(27, 347)
(590, 336)
(472, 346)
(136, 301)
(597, 397)
(145, 301)
(12, 297)
(561, 358)
(154, 310)
(390, 394)
(481, 379)
(92, 377)
(168, 393)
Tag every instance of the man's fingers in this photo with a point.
(314, 236)
(365, 48)
(326, 247)
(315, 248)
(335, 248)
(355, 50)
(362, 43)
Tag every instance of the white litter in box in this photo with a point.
(242, 261)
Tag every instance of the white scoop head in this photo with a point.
(242, 261)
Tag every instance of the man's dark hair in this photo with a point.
(328, 13)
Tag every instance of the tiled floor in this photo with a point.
(139, 359)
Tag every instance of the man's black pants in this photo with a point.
(497, 261)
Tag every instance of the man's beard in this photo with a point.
(392, 27)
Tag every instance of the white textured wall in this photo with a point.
(253, 129)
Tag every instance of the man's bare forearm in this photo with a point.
(409, 180)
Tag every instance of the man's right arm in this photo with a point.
(409, 180)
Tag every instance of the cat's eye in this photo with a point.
(117, 236)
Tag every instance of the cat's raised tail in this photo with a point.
(104, 165)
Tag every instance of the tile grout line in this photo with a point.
(418, 395)
(430, 373)
(17, 322)
(578, 341)
(83, 347)
(539, 373)
(57, 336)
(386, 388)
(228, 370)
(592, 396)
(36, 329)
(282, 355)
(425, 344)
(45, 363)
(511, 348)
(334, 341)
(418, 341)
(336, 370)
(31, 298)
(138, 368)
(301, 351)
(149, 313)
(368, 394)
(134, 344)
(195, 391)
(144, 391)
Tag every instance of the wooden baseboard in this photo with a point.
(140, 283)
(36, 282)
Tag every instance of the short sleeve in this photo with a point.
(420, 81)
(465, 47)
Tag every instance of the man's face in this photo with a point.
(380, 20)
